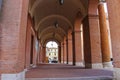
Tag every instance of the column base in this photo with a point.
(88, 65)
(17, 76)
(33, 65)
(80, 64)
(70, 63)
(107, 65)
(26, 69)
(61, 61)
(65, 62)
(97, 66)
(116, 73)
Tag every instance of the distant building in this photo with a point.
(52, 54)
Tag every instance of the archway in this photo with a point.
(52, 52)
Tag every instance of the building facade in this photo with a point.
(52, 55)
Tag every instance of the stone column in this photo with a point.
(70, 57)
(114, 21)
(104, 32)
(13, 22)
(76, 37)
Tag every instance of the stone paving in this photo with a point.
(66, 72)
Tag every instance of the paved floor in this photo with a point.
(54, 71)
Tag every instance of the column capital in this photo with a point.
(93, 16)
(76, 31)
(69, 39)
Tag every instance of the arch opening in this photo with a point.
(52, 52)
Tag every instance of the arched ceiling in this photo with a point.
(47, 12)
(52, 29)
(45, 42)
(50, 36)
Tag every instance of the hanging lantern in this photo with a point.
(102, 0)
(56, 24)
(61, 2)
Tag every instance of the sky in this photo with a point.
(52, 44)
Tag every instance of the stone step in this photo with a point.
(74, 78)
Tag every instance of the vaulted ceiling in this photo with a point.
(47, 12)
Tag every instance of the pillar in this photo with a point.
(35, 51)
(62, 52)
(104, 32)
(87, 44)
(76, 37)
(13, 24)
(40, 53)
(91, 31)
(28, 42)
(43, 54)
(59, 54)
(114, 21)
(70, 57)
(65, 51)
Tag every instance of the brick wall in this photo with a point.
(114, 21)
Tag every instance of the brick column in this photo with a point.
(76, 37)
(65, 51)
(28, 42)
(62, 52)
(35, 51)
(40, 60)
(59, 54)
(70, 57)
(91, 34)
(38, 55)
(13, 24)
(43, 54)
(114, 21)
(105, 45)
